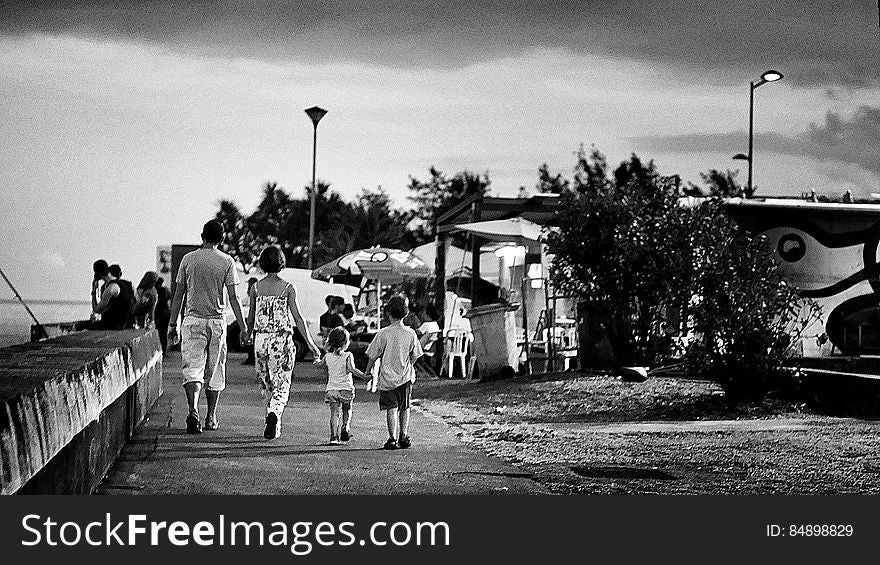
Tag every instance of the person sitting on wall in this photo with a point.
(128, 292)
(114, 306)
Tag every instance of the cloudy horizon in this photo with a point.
(128, 122)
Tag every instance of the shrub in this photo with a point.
(746, 319)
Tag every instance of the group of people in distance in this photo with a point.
(205, 283)
(116, 305)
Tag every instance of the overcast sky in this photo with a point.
(125, 123)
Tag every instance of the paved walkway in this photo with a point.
(235, 459)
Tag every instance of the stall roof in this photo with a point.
(538, 208)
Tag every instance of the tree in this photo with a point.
(340, 226)
(377, 223)
(747, 321)
(550, 184)
(239, 240)
(438, 195)
(619, 244)
(723, 184)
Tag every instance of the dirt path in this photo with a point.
(599, 435)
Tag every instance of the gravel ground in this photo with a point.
(589, 434)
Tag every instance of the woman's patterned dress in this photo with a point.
(274, 350)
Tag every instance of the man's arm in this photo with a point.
(252, 310)
(177, 302)
(236, 308)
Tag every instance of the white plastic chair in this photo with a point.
(457, 345)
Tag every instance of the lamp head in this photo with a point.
(768, 76)
(315, 113)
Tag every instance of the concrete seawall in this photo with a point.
(69, 404)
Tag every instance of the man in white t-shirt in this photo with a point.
(206, 278)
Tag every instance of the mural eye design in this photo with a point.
(791, 247)
(378, 257)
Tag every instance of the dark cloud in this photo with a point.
(814, 42)
(854, 140)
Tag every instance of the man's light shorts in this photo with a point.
(203, 351)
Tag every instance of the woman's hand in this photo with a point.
(316, 354)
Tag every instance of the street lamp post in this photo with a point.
(768, 76)
(315, 113)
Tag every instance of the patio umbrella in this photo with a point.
(518, 230)
(389, 265)
(381, 264)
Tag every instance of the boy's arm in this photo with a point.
(416, 351)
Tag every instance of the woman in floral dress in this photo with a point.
(273, 312)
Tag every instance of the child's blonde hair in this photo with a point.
(337, 340)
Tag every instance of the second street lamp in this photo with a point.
(768, 76)
(315, 113)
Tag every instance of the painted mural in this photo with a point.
(830, 252)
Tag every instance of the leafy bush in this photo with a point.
(746, 319)
(659, 269)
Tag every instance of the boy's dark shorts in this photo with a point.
(396, 398)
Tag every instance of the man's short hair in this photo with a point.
(397, 308)
(115, 270)
(101, 268)
(272, 259)
(212, 232)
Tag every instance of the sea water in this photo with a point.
(15, 322)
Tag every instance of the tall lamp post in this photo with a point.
(315, 113)
(768, 76)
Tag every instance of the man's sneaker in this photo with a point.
(271, 426)
(345, 435)
(335, 441)
(211, 425)
(391, 444)
(193, 426)
(404, 442)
